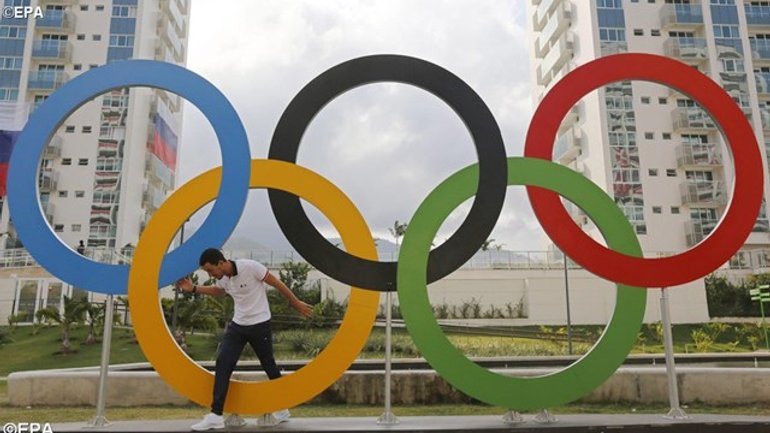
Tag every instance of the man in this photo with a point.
(245, 281)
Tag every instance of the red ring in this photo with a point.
(740, 215)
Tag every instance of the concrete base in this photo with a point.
(566, 424)
(712, 386)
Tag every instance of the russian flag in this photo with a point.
(7, 140)
(164, 143)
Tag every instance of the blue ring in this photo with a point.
(33, 229)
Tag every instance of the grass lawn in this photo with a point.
(34, 349)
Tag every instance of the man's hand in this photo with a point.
(302, 308)
(184, 284)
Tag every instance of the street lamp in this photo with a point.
(762, 295)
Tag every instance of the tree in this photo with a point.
(94, 313)
(73, 313)
(486, 244)
(398, 230)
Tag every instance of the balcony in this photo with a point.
(698, 155)
(540, 16)
(152, 198)
(557, 24)
(757, 15)
(760, 50)
(557, 57)
(46, 80)
(762, 80)
(567, 146)
(681, 16)
(692, 51)
(692, 119)
(48, 210)
(157, 170)
(47, 49)
(48, 180)
(53, 150)
(56, 20)
(697, 230)
(705, 193)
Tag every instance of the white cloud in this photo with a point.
(385, 145)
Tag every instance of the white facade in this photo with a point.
(651, 148)
(100, 177)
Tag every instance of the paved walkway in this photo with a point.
(565, 424)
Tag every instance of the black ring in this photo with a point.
(481, 124)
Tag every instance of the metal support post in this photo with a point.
(545, 417)
(513, 417)
(676, 412)
(569, 313)
(387, 417)
(99, 420)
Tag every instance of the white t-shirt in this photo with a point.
(249, 291)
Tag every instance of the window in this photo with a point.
(66, 161)
(609, 4)
(121, 41)
(657, 209)
(652, 172)
(96, 37)
(58, 228)
(127, 11)
(86, 130)
(83, 7)
(81, 37)
(62, 194)
(83, 161)
(9, 94)
(612, 34)
(671, 172)
(10, 63)
(641, 229)
(93, 66)
(649, 135)
(638, 32)
(666, 136)
(699, 175)
(662, 101)
(80, 194)
(726, 31)
(99, 8)
(645, 99)
(13, 32)
(76, 227)
(77, 67)
(732, 65)
(69, 128)
(655, 32)
(674, 210)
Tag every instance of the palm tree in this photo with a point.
(72, 315)
(94, 313)
(487, 244)
(397, 231)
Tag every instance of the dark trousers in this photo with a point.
(260, 337)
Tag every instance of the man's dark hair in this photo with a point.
(211, 256)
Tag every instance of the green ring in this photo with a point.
(519, 393)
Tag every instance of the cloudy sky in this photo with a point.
(385, 145)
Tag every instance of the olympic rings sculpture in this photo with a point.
(621, 261)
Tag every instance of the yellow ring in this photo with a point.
(185, 375)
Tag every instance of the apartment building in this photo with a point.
(653, 149)
(113, 161)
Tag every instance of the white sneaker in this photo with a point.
(210, 421)
(281, 416)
